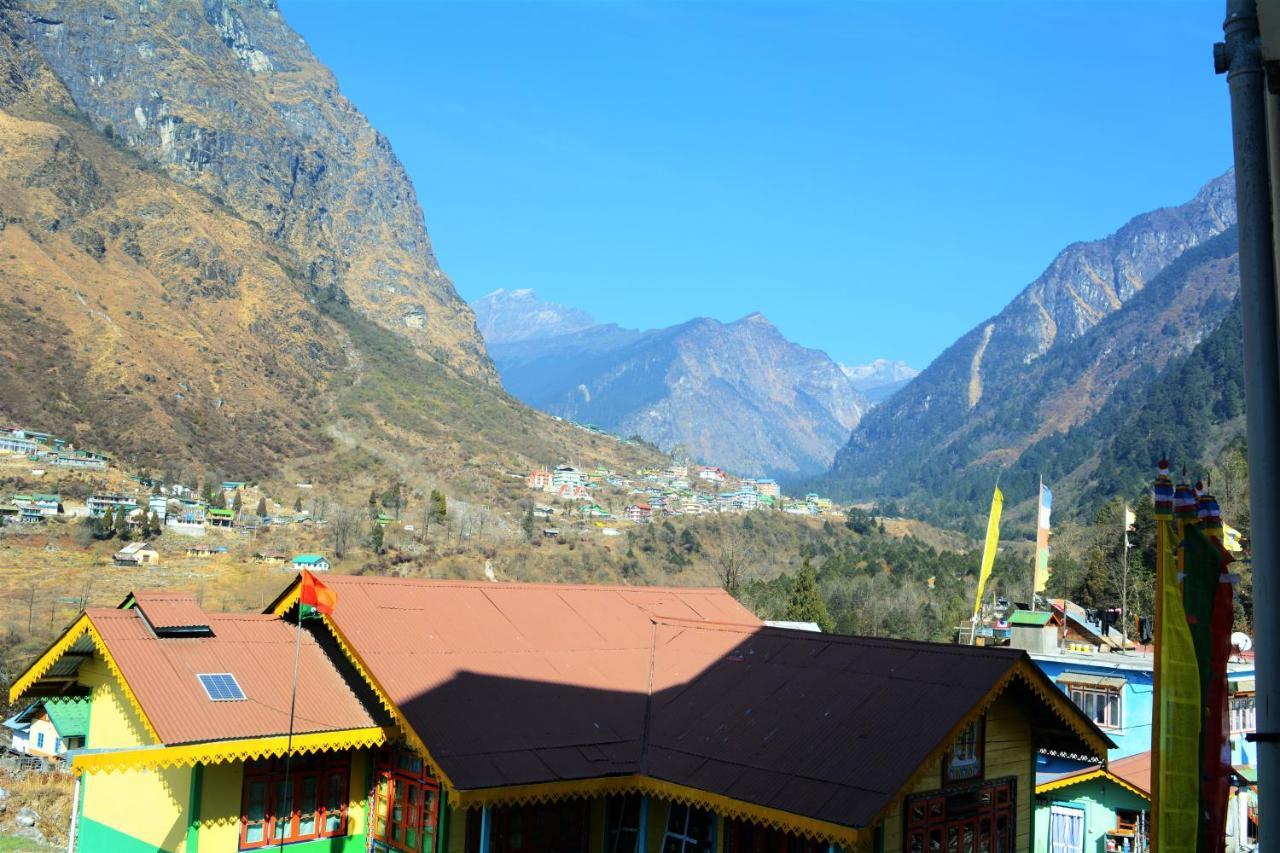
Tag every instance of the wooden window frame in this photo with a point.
(1098, 691)
(617, 813)
(402, 769)
(322, 769)
(996, 799)
(950, 776)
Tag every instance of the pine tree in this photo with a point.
(238, 503)
(261, 511)
(297, 504)
(376, 536)
(806, 603)
(219, 499)
(527, 525)
(439, 507)
(122, 523)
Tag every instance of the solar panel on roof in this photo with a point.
(221, 687)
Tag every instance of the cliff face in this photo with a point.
(227, 99)
(734, 394)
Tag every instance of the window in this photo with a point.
(1066, 830)
(621, 824)
(406, 805)
(1244, 713)
(221, 687)
(313, 805)
(39, 740)
(689, 830)
(542, 828)
(977, 819)
(743, 837)
(964, 759)
(1102, 705)
(57, 745)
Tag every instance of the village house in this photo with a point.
(105, 502)
(567, 475)
(136, 554)
(270, 558)
(50, 728)
(15, 441)
(1081, 657)
(639, 513)
(711, 474)
(768, 487)
(539, 479)
(220, 518)
(485, 717)
(202, 550)
(311, 562)
(570, 492)
(84, 460)
(45, 505)
(159, 505)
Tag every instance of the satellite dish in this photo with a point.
(1241, 641)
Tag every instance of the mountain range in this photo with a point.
(735, 394)
(213, 261)
(1104, 321)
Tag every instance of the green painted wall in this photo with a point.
(98, 836)
(1098, 799)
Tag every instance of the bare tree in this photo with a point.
(344, 527)
(731, 562)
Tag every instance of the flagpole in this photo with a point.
(293, 702)
(1124, 576)
(1035, 556)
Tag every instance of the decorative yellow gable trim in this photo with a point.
(244, 749)
(83, 626)
(1026, 672)
(1058, 784)
(850, 838)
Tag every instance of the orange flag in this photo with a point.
(316, 598)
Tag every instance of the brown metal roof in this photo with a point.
(256, 649)
(164, 610)
(514, 684)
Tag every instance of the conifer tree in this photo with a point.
(376, 536)
(297, 504)
(261, 511)
(806, 603)
(122, 523)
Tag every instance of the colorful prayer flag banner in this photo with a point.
(1176, 740)
(1042, 538)
(1231, 539)
(989, 550)
(315, 598)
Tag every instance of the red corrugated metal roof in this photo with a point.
(511, 684)
(256, 649)
(170, 609)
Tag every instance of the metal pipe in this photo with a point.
(1241, 58)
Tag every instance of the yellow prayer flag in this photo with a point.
(989, 550)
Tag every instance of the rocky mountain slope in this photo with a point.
(225, 98)
(1103, 315)
(734, 394)
(146, 315)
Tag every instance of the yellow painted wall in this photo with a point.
(457, 830)
(1008, 751)
(150, 805)
(222, 791)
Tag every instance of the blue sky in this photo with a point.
(876, 178)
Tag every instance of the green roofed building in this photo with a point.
(311, 562)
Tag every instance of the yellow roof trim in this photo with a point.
(1058, 784)
(244, 749)
(1063, 707)
(45, 662)
(405, 728)
(850, 838)
(83, 626)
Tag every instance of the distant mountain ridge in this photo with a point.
(736, 394)
(1103, 314)
(880, 379)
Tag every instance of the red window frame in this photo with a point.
(403, 788)
(974, 819)
(329, 778)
